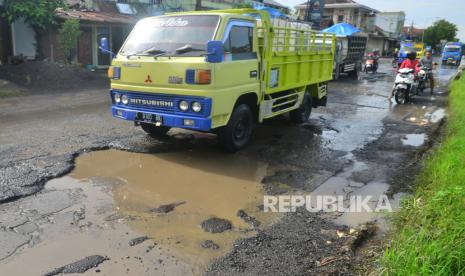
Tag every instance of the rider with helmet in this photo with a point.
(411, 62)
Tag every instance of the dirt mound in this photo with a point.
(48, 76)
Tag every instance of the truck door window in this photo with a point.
(240, 43)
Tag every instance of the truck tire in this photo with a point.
(302, 114)
(354, 74)
(337, 73)
(237, 134)
(153, 130)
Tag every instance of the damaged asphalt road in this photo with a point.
(360, 144)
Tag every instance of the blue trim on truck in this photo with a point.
(166, 106)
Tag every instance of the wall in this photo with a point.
(391, 22)
(375, 43)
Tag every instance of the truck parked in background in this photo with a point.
(219, 71)
(452, 53)
(350, 51)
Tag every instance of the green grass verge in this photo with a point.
(429, 235)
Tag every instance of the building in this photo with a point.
(344, 11)
(412, 33)
(272, 4)
(388, 32)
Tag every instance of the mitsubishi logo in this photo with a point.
(148, 80)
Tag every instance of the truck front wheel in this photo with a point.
(154, 131)
(237, 133)
(301, 114)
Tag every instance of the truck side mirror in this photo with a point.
(104, 44)
(215, 51)
(105, 47)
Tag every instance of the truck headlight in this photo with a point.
(117, 98)
(124, 99)
(183, 105)
(196, 107)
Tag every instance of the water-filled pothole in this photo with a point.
(190, 188)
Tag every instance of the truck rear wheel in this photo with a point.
(302, 114)
(153, 130)
(237, 133)
(336, 73)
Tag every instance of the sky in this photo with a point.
(422, 12)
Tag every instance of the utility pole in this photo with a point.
(198, 5)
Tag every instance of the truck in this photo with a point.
(219, 71)
(410, 46)
(452, 53)
(350, 50)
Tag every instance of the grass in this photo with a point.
(429, 236)
(6, 93)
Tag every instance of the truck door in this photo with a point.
(239, 73)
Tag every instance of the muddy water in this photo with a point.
(204, 185)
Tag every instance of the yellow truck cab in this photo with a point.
(420, 49)
(219, 71)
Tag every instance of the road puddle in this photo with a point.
(167, 196)
(414, 140)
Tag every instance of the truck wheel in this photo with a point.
(354, 74)
(302, 114)
(336, 73)
(154, 131)
(237, 134)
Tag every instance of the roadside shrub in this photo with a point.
(68, 36)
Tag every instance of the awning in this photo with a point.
(342, 29)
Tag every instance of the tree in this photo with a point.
(68, 36)
(40, 14)
(198, 5)
(440, 30)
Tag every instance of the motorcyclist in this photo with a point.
(411, 62)
(374, 56)
(427, 62)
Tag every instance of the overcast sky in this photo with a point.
(422, 12)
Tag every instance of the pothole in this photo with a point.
(169, 196)
(150, 212)
(414, 140)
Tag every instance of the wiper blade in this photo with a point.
(149, 52)
(187, 48)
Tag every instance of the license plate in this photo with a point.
(147, 117)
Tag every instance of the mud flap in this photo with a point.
(319, 94)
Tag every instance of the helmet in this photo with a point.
(412, 55)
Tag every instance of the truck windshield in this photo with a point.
(172, 35)
(407, 49)
(452, 49)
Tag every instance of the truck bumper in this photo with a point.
(170, 120)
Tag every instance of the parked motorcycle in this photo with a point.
(404, 86)
(423, 79)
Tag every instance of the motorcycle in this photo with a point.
(423, 78)
(371, 65)
(404, 86)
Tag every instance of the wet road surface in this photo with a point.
(146, 210)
